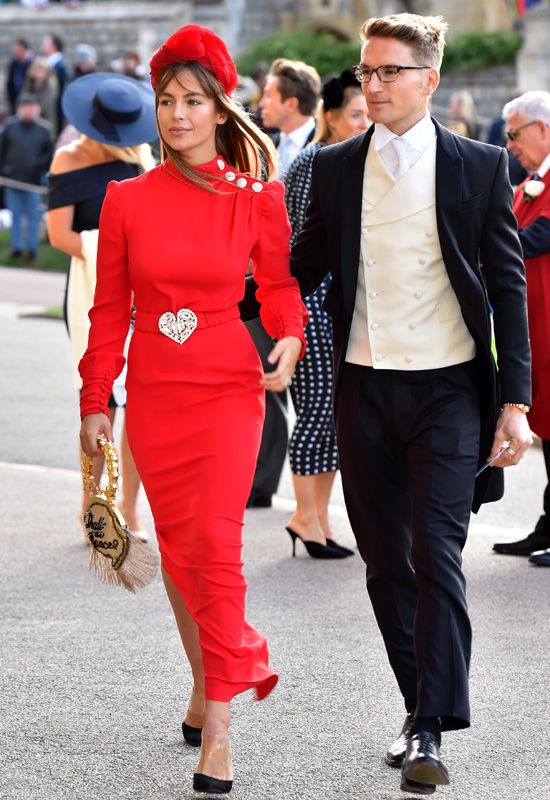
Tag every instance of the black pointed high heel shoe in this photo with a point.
(336, 546)
(314, 549)
(204, 783)
(192, 736)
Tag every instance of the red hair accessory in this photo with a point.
(194, 43)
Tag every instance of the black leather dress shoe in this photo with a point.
(541, 558)
(524, 547)
(396, 752)
(422, 768)
(259, 501)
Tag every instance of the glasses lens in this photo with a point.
(388, 73)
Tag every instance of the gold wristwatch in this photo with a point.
(522, 406)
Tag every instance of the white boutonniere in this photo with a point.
(532, 189)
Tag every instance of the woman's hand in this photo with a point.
(285, 354)
(92, 425)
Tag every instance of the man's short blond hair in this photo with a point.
(424, 35)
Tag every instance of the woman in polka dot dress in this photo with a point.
(312, 450)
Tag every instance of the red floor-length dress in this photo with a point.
(195, 410)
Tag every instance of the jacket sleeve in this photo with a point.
(110, 316)
(535, 238)
(281, 309)
(504, 270)
(309, 259)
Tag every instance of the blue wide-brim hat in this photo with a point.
(111, 108)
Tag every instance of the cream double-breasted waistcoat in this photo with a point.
(406, 316)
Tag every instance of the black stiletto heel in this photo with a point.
(204, 783)
(315, 549)
(192, 736)
(336, 546)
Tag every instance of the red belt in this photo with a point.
(180, 325)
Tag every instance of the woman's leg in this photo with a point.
(305, 520)
(215, 758)
(129, 489)
(323, 483)
(189, 634)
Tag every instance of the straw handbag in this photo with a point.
(116, 556)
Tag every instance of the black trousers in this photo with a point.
(273, 447)
(408, 447)
(543, 524)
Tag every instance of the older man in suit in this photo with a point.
(416, 226)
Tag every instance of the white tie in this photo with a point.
(402, 166)
(283, 151)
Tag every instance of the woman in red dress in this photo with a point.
(180, 237)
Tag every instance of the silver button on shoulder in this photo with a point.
(230, 176)
(257, 186)
(221, 164)
(242, 183)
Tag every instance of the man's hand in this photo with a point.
(285, 354)
(92, 425)
(512, 427)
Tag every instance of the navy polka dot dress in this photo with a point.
(312, 447)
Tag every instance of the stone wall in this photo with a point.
(490, 89)
(111, 27)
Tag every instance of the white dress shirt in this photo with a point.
(290, 145)
(412, 145)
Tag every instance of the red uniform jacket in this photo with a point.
(538, 300)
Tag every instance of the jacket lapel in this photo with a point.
(353, 167)
(449, 169)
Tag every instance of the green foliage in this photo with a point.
(467, 51)
(46, 257)
(479, 49)
(322, 50)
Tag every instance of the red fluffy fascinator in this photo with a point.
(194, 43)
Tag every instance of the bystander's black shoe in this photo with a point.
(16, 254)
(396, 752)
(30, 255)
(422, 768)
(259, 501)
(541, 558)
(538, 540)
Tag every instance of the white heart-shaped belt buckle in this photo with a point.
(178, 328)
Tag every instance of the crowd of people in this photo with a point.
(405, 263)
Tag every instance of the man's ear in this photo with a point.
(433, 81)
(291, 104)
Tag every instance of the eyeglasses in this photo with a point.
(387, 73)
(513, 132)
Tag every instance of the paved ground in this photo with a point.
(94, 681)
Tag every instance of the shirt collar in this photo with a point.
(299, 135)
(544, 167)
(418, 137)
(55, 58)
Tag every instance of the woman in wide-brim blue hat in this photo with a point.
(115, 117)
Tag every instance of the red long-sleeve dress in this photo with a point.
(195, 410)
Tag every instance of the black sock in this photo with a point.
(430, 724)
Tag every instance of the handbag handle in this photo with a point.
(111, 460)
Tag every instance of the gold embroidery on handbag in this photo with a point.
(116, 556)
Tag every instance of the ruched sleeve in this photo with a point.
(282, 311)
(110, 316)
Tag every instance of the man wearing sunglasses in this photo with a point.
(527, 129)
(416, 226)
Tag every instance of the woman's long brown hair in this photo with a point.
(239, 141)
